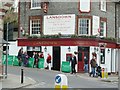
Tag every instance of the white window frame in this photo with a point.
(38, 7)
(31, 34)
(89, 27)
(104, 27)
(103, 5)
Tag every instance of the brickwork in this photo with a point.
(56, 8)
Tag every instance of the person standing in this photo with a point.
(26, 57)
(73, 63)
(19, 56)
(49, 61)
(93, 66)
(36, 60)
(41, 55)
(85, 64)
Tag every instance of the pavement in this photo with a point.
(14, 81)
(110, 78)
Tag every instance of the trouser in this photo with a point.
(93, 71)
(19, 61)
(49, 66)
(36, 63)
(73, 68)
(86, 68)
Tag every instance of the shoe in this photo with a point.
(90, 74)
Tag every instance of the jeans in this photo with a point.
(93, 71)
(86, 68)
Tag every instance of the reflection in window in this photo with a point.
(83, 26)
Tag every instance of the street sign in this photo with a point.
(102, 46)
(58, 79)
(61, 81)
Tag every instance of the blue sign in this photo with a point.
(58, 79)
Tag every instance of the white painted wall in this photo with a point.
(113, 60)
(49, 50)
(13, 48)
(107, 60)
(110, 59)
(64, 50)
(117, 60)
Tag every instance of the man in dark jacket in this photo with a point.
(20, 53)
(73, 63)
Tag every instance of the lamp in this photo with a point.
(94, 49)
(45, 6)
(45, 49)
(108, 50)
(69, 49)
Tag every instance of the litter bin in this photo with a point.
(41, 63)
(30, 62)
(15, 61)
(66, 66)
(10, 60)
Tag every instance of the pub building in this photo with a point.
(62, 28)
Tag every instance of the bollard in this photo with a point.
(61, 82)
(22, 78)
(106, 73)
(103, 73)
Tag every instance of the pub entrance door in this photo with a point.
(83, 51)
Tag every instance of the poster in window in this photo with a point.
(68, 57)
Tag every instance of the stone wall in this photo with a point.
(57, 8)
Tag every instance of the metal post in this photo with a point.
(22, 78)
(6, 52)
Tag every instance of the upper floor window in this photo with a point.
(35, 4)
(103, 5)
(103, 28)
(35, 26)
(84, 26)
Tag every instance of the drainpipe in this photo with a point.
(115, 20)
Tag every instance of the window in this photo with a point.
(103, 5)
(102, 56)
(84, 26)
(35, 27)
(103, 28)
(35, 4)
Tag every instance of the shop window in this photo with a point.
(35, 4)
(80, 56)
(68, 57)
(102, 56)
(84, 26)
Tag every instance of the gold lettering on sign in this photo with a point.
(45, 43)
